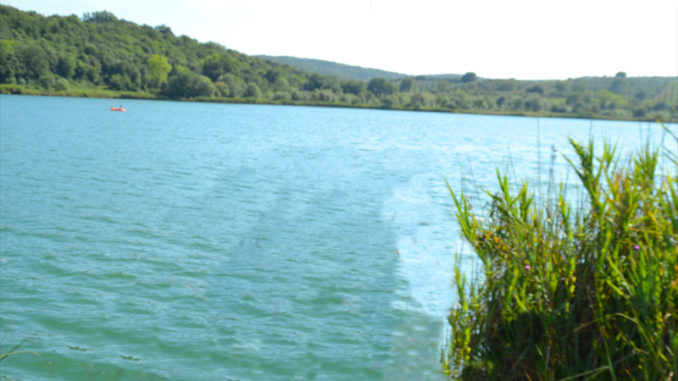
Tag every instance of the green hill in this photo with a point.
(349, 72)
(100, 55)
(102, 52)
(341, 71)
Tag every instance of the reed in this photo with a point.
(15, 350)
(567, 292)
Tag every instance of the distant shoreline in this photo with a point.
(15, 89)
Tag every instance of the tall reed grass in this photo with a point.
(567, 292)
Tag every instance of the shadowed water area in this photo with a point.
(216, 242)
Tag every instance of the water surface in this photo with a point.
(216, 242)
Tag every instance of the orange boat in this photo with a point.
(118, 109)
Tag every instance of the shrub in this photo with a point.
(572, 293)
(184, 83)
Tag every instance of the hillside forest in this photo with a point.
(100, 55)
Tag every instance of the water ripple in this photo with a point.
(251, 242)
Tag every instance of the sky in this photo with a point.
(522, 39)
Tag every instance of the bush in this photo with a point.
(252, 91)
(184, 83)
(565, 293)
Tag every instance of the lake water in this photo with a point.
(193, 241)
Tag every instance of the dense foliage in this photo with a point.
(101, 55)
(570, 293)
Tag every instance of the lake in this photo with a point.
(180, 241)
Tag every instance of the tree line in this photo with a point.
(99, 52)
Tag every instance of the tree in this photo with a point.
(442, 86)
(468, 77)
(317, 81)
(99, 17)
(561, 86)
(417, 100)
(234, 85)
(407, 85)
(65, 66)
(380, 86)
(619, 83)
(253, 91)
(119, 82)
(8, 62)
(314, 82)
(164, 30)
(506, 85)
(354, 87)
(533, 103)
(216, 65)
(537, 89)
(272, 76)
(159, 69)
(35, 61)
(184, 83)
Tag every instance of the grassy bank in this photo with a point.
(573, 292)
(84, 91)
(76, 91)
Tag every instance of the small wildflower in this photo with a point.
(527, 267)
(636, 247)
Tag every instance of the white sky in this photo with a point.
(524, 39)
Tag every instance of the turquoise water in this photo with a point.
(192, 241)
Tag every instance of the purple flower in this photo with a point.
(636, 247)
(527, 267)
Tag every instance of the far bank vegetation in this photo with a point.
(100, 55)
